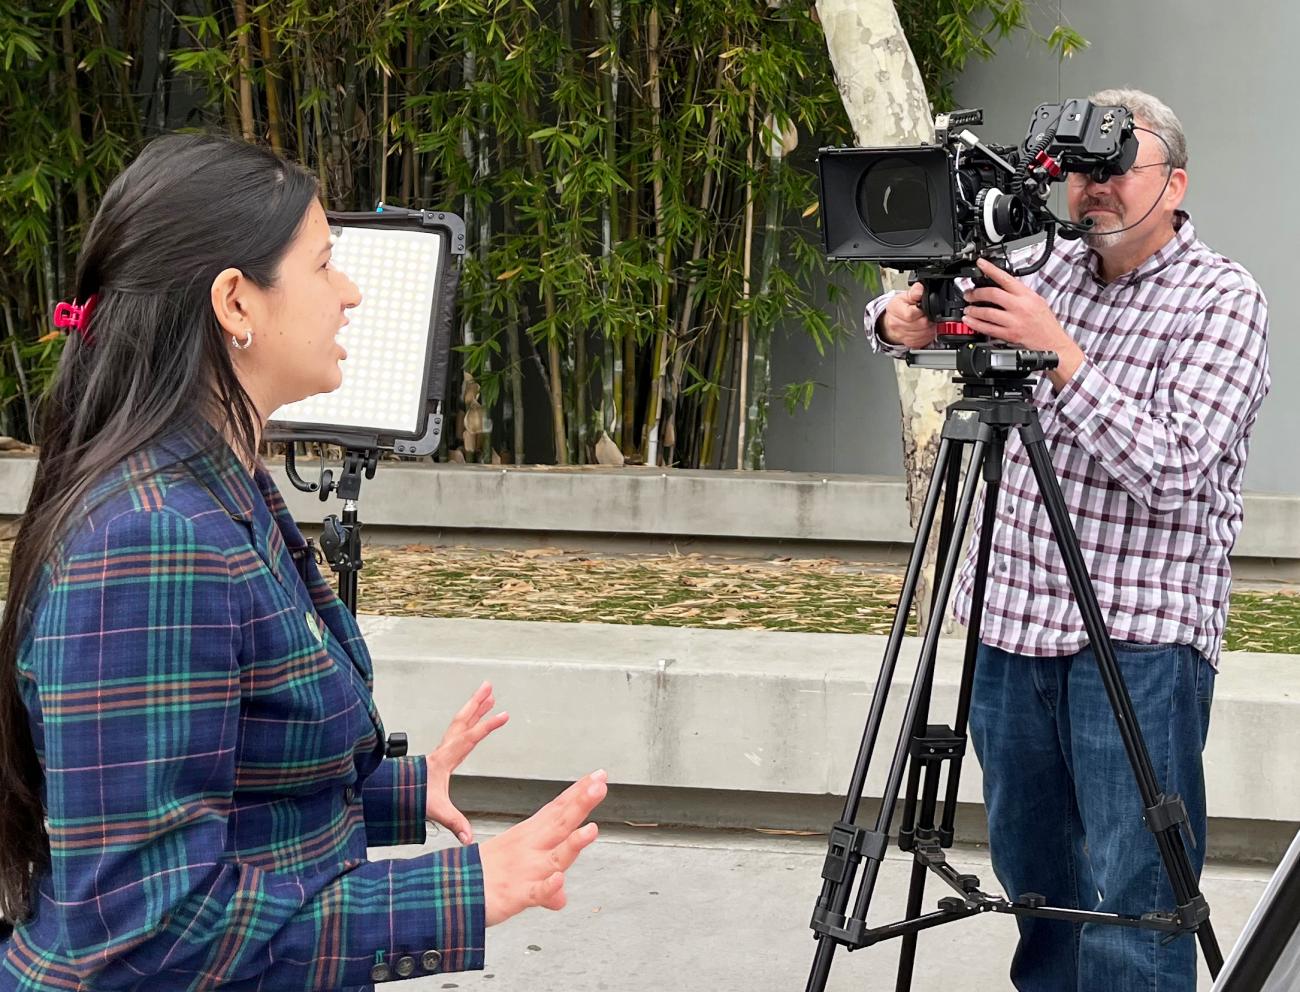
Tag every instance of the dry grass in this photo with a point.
(819, 595)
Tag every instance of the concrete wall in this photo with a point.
(583, 503)
(692, 716)
(1228, 72)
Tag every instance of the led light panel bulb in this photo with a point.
(384, 386)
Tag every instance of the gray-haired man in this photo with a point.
(1163, 367)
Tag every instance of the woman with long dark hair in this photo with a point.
(191, 765)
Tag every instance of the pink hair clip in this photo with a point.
(75, 316)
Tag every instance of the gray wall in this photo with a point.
(1229, 72)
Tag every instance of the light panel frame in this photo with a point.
(385, 237)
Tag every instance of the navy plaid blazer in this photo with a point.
(214, 765)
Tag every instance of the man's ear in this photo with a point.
(1177, 189)
(228, 290)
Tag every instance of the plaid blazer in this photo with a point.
(201, 703)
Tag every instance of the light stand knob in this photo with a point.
(397, 745)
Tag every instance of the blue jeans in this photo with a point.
(1065, 815)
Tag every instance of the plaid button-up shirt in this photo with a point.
(201, 704)
(1149, 441)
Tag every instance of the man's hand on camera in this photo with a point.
(904, 323)
(525, 866)
(1012, 312)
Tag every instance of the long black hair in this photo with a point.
(188, 207)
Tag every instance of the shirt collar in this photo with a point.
(215, 465)
(1184, 235)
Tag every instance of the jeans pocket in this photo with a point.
(1135, 647)
(1205, 676)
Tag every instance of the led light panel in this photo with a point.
(398, 340)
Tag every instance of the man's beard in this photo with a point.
(1109, 230)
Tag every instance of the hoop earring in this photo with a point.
(247, 342)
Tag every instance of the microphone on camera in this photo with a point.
(1077, 230)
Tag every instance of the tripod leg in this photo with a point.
(942, 550)
(906, 829)
(926, 837)
(992, 492)
(872, 867)
(837, 885)
(1182, 877)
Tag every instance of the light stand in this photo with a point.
(395, 379)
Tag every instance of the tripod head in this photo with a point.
(985, 369)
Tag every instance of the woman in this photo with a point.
(191, 762)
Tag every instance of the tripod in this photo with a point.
(996, 398)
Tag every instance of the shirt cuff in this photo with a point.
(462, 923)
(394, 798)
(421, 916)
(871, 324)
(1083, 396)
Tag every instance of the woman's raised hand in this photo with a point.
(525, 866)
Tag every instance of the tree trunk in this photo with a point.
(885, 99)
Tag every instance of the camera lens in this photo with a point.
(894, 201)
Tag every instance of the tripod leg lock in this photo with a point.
(1169, 811)
(1190, 916)
(1193, 913)
(850, 843)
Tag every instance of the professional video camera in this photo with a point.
(937, 208)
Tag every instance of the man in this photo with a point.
(1163, 366)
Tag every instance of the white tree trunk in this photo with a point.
(885, 99)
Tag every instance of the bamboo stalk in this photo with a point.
(749, 252)
(513, 330)
(469, 68)
(29, 407)
(299, 124)
(166, 28)
(340, 136)
(247, 124)
(383, 142)
(659, 350)
(556, 385)
(761, 366)
(318, 129)
(607, 24)
(74, 118)
(408, 115)
(482, 174)
(721, 361)
(274, 124)
(575, 358)
(629, 334)
(684, 337)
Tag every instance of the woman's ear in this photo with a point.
(228, 290)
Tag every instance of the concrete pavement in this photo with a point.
(723, 911)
